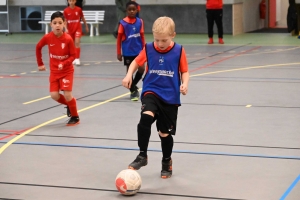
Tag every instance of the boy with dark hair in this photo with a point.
(132, 40)
(166, 77)
(61, 53)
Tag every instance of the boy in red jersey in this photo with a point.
(166, 77)
(73, 15)
(132, 40)
(61, 53)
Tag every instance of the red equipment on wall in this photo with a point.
(262, 9)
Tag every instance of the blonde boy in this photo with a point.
(166, 77)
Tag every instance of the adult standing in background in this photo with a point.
(121, 13)
(214, 13)
(292, 17)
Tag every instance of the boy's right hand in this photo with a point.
(119, 56)
(42, 68)
(127, 82)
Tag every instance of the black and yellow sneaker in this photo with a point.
(166, 169)
(73, 121)
(134, 96)
(68, 111)
(139, 162)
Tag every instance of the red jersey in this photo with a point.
(73, 17)
(61, 50)
(214, 4)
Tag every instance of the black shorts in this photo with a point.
(128, 60)
(164, 114)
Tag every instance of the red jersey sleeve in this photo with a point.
(183, 64)
(120, 38)
(38, 50)
(141, 58)
(142, 32)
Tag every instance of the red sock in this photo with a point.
(77, 51)
(73, 107)
(62, 99)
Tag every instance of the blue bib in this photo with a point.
(163, 76)
(132, 45)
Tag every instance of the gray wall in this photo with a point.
(252, 19)
(188, 18)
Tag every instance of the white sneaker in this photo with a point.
(77, 61)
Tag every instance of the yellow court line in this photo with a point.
(246, 68)
(112, 99)
(53, 120)
(36, 100)
(268, 52)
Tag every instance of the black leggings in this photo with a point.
(214, 15)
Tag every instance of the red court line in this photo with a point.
(235, 55)
(7, 131)
(17, 86)
(13, 134)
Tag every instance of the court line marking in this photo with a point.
(245, 68)
(271, 51)
(28, 102)
(159, 150)
(290, 188)
(4, 147)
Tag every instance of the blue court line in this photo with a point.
(290, 188)
(158, 150)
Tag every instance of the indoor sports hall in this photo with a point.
(238, 126)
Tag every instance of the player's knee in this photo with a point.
(55, 95)
(68, 96)
(163, 134)
(146, 120)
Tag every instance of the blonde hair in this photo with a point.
(164, 25)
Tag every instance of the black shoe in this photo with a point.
(139, 162)
(166, 169)
(115, 34)
(68, 111)
(134, 96)
(73, 121)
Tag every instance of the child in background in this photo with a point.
(166, 77)
(138, 8)
(62, 53)
(73, 15)
(132, 40)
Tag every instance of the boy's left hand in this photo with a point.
(119, 56)
(87, 29)
(183, 89)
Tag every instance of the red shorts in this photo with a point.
(76, 34)
(61, 82)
